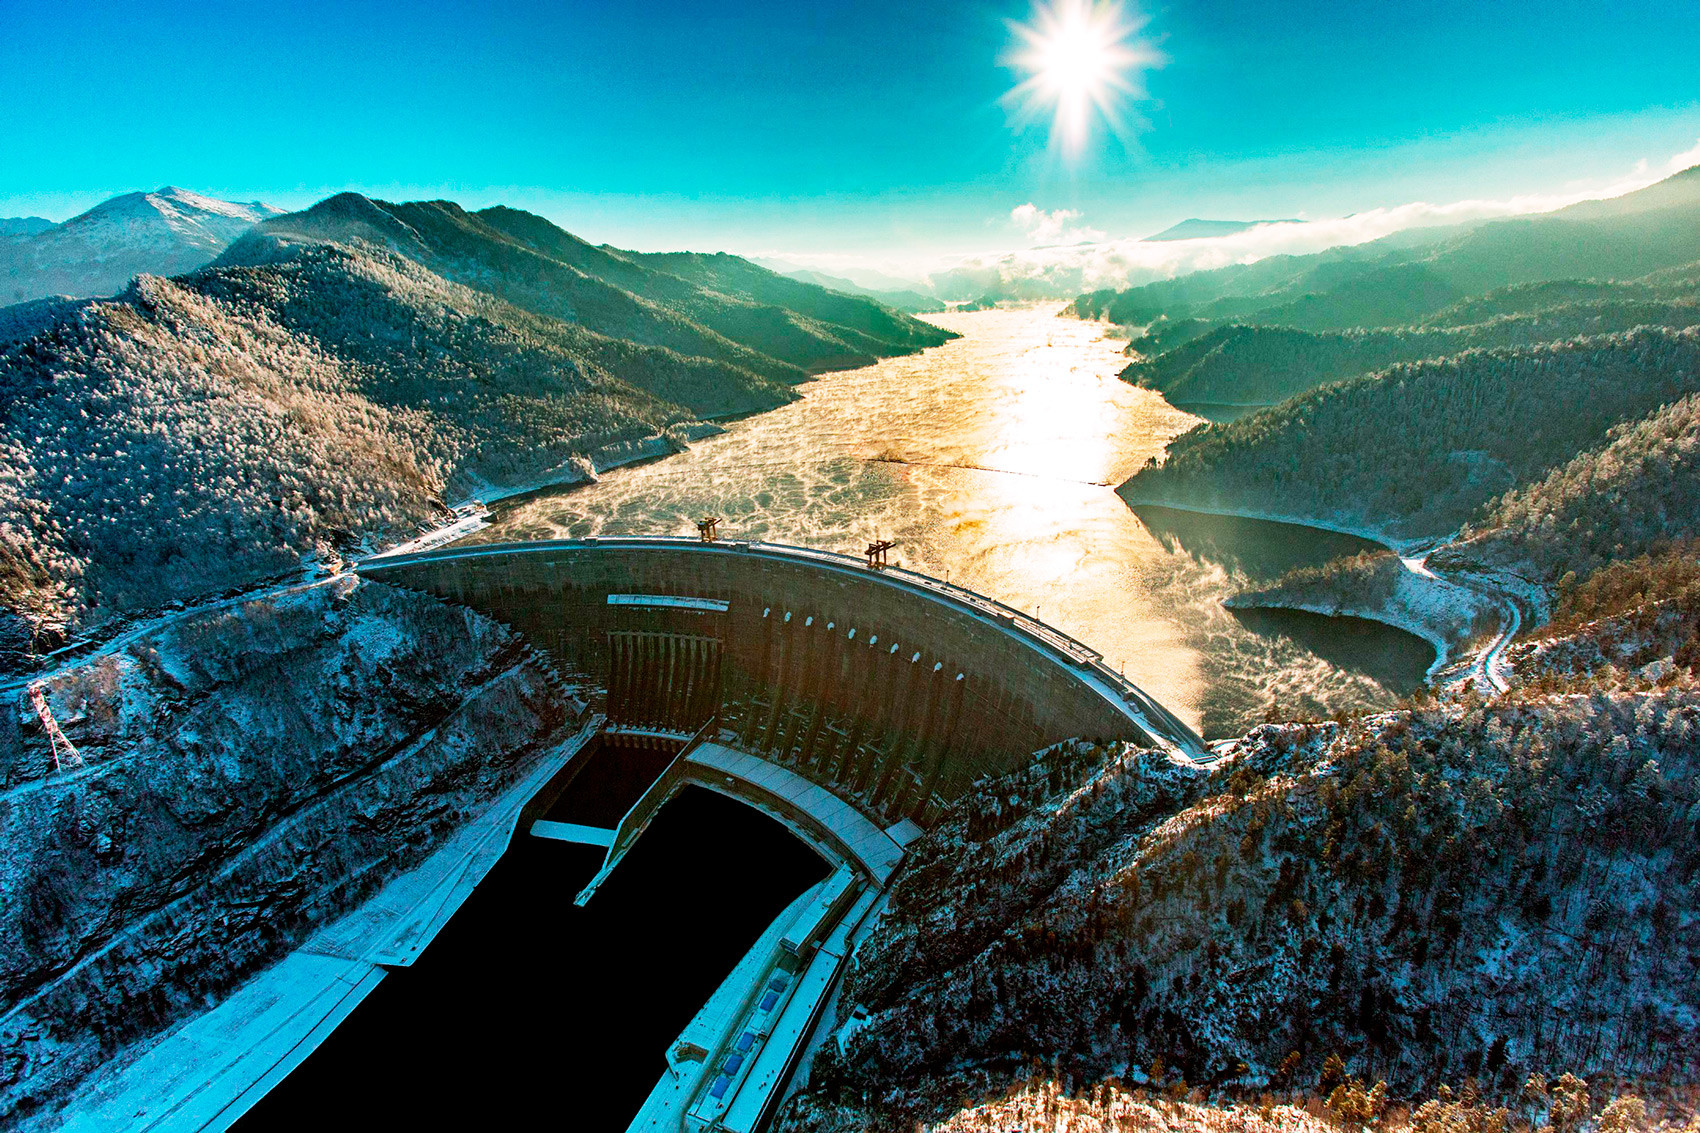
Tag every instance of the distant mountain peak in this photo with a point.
(1194, 228)
(165, 231)
(23, 225)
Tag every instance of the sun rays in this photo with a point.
(1082, 60)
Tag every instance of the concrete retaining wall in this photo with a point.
(894, 692)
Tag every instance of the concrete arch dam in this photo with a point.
(890, 687)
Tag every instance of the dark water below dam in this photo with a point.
(992, 461)
(527, 1008)
(610, 780)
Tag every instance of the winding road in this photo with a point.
(1489, 668)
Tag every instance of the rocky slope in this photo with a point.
(1448, 891)
(248, 774)
(165, 232)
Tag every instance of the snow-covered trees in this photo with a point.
(1445, 892)
(198, 434)
(1635, 493)
(339, 373)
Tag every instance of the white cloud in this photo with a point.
(1054, 227)
(1687, 159)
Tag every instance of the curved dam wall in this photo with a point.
(892, 688)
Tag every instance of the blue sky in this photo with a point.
(869, 128)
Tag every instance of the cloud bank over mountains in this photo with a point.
(1060, 271)
(1066, 256)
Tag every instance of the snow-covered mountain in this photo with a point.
(1193, 228)
(164, 232)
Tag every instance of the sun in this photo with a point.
(1081, 59)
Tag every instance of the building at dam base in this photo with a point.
(729, 1068)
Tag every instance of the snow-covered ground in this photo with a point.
(281, 758)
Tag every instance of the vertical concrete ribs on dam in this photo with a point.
(668, 682)
(891, 692)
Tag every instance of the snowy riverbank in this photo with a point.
(1442, 613)
(1449, 613)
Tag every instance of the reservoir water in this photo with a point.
(992, 461)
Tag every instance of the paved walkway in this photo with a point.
(758, 781)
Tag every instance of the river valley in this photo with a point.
(992, 462)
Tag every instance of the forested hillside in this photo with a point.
(1634, 624)
(1631, 495)
(1439, 893)
(196, 434)
(1530, 298)
(339, 374)
(21, 320)
(1418, 449)
(745, 316)
(1263, 365)
(777, 314)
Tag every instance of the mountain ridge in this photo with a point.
(732, 314)
(1413, 273)
(337, 376)
(1197, 228)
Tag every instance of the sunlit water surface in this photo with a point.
(992, 462)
